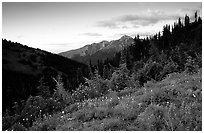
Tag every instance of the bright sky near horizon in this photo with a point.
(59, 26)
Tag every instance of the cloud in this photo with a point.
(91, 34)
(150, 17)
(59, 44)
(141, 34)
(109, 23)
(191, 12)
(20, 36)
(145, 34)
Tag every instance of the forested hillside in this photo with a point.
(23, 67)
(155, 85)
(168, 48)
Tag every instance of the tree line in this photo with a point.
(174, 45)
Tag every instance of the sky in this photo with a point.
(62, 26)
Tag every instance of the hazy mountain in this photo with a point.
(86, 50)
(101, 50)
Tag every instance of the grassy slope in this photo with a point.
(174, 103)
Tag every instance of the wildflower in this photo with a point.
(139, 104)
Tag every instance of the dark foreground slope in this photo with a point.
(22, 67)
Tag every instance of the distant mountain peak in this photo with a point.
(98, 50)
(125, 37)
(104, 41)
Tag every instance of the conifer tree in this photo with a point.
(179, 23)
(43, 90)
(106, 72)
(90, 67)
(123, 56)
(79, 75)
(60, 93)
(196, 16)
(187, 21)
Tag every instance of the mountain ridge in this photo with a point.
(85, 53)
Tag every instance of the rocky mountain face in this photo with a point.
(98, 51)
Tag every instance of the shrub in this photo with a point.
(186, 117)
(92, 88)
(138, 65)
(71, 108)
(79, 94)
(190, 65)
(7, 122)
(113, 124)
(154, 118)
(98, 84)
(52, 106)
(127, 91)
(101, 113)
(129, 108)
(151, 70)
(120, 79)
(94, 125)
(48, 123)
(84, 114)
(112, 100)
(18, 127)
(168, 68)
(70, 126)
(32, 109)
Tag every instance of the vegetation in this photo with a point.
(23, 67)
(153, 85)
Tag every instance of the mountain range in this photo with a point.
(98, 51)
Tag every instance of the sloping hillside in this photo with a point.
(22, 67)
(174, 103)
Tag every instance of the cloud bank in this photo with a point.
(91, 34)
(150, 17)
